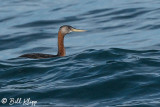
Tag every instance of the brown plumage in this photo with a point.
(61, 50)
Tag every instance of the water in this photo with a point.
(114, 64)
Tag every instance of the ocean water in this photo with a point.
(116, 63)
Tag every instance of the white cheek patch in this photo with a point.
(63, 30)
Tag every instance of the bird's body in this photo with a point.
(61, 50)
(38, 55)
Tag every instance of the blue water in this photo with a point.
(116, 63)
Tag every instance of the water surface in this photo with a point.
(114, 64)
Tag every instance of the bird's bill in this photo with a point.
(77, 30)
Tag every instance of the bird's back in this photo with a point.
(38, 56)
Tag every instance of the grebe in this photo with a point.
(65, 29)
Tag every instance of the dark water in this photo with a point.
(116, 63)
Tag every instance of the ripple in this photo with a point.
(48, 22)
(6, 19)
(123, 11)
(133, 15)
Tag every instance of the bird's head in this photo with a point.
(65, 29)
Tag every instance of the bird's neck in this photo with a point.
(61, 49)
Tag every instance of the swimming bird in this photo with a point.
(63, 30)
